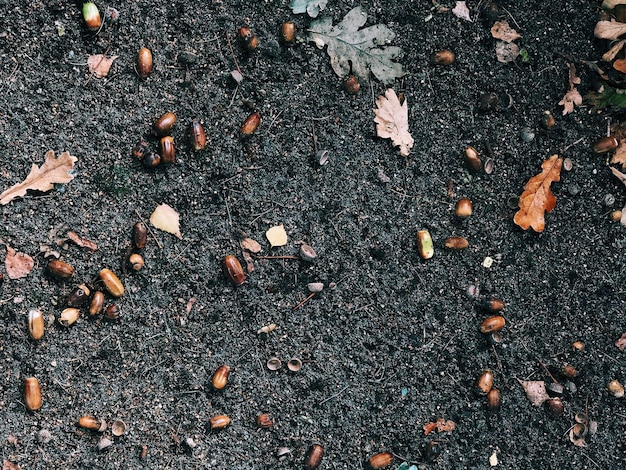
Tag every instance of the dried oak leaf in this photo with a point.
(311, 7)
(535, 391)
(359, 51)
(621, 342)
(250, 245)
(572, 96)
(620, 154)
(8, 465)
(18, 264)
(429, 427)
(501, 30)
(392, 121)
(609, 55)
(537, 196)
(609, 30)
(53, 170)
(99, 64)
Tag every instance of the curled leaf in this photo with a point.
(82, 242)
(501, 30)
(167, 219)
(609, 30)
(537, 197)
(54, 170)
(18, 264)
(613, 51)
(392, 121)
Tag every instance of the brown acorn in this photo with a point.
(351, 84)
(485, 382)
(91, 16)
(555, 405)
(233, 270)
(197, 136)
(35, 324)
(151, 160)
(32, 394)
(250, 41)
(381, 460)
(92, 423)
(141, 149)
(604, 145)
(456, 243)
(493, 305)
(250, 124)
(491, 324)
(219, 422)
(288, 32)
(472, 159)
(425, 244)
(97, 302)
(443, 57)
(112, 313)
(140, 235)
(69, 316)
(494, 400)
(569, 370)
(79, 296)
(144, 63)
(136, 261)
(264, 421)
(60, 269)
(111, 282)
(167, 150)
(313, 457)
(220, 377)
(463, 208)
(164, 124)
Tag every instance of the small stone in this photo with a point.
(44, 436)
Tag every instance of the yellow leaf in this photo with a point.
(54, 170)
(277, 235)
(392, 121)
(167, 219)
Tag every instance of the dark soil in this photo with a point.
(396, 344)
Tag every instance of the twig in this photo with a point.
(308, 297)
(274, 257)
(230, 220)
(149, 229)
(508, 13)
(571, 145)
(314, 137)
(544, 366)
(334, 396)
(230, 46)
(274, 120)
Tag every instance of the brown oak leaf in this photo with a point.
(501, 30)
(53, 170)
(392, 121)
(537, 197)
(18, 264)
(572, 96)
(82, 242)
(8, 465)
(99, 64)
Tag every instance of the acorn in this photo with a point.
(97, 302)
(151, 160)
(491, 324)
(220, 377)
(485, 382)
(569, 370)
(91, 16)
(69, 316)
(92, 423)
(250, 124)
(494, 400)
(555, 406)
(615, 216)
(605, 145)
(250, 41)
(351, 85)
(136, 261)
(112, 313)
(381, 460)
(425, 244)
(264, 421)
(111, 282)
(79, 296)
(164, 124)
(141, 149)
(547, 120)
(197, 136)
(493, 305)
(35, 324)
(118, 428)
(616, 388)
(140, 235)
(219, 422)
(443, 57)
(463, 208)
(432, 450)
(60, 269)
(472, 159)
(144, 63)
(32, 394)
(288, 32)
(167, 150)
(578, 346)
(232, 270)
(313, 457)
(456, 243)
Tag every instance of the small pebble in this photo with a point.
(527, 134)
(568, 164)
(44, 436)
(573, 189)
(609, 200)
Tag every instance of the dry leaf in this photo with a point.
(460, 10)
(190, 304)
(535, 391)
(429, 427)
(620, 65)
(7, 465)
(577, 441)
(613, 51)
(610, 4)
(249, 261)
(276, 235)
(506, 52)
(445, 425)
(619, 175)
(571, 98)
(392, 121)
(82, 242)
(250, 245)
(18, 264)
(620, 154)
(99, 64)
(501, 30)
(609, 30)
(621, 342)
(167, 219)
(537, 196)
(53, 170)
